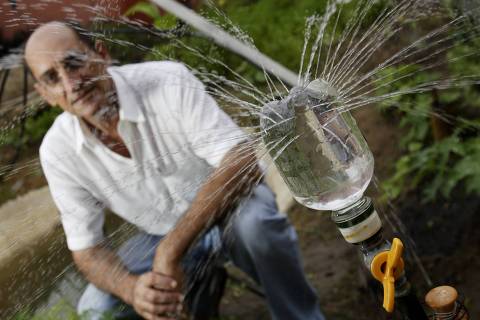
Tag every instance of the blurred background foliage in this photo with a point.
(441, 146)
(275, 27)
(440, 141)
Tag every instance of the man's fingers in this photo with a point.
(165, 297)
(155, 317)
(150, 316)
(156, 297)
(159, 309)
(160, 281)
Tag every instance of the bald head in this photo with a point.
(48, 42)
(70, 73)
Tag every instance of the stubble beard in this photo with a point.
(108, 110)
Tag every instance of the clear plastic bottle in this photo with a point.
(317, 147)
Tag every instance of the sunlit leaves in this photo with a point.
(161, 21)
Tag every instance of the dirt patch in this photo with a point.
(447, 247)
(447, 240)
(333, 267)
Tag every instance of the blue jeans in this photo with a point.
(257, 239)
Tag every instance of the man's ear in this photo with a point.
(101, 49)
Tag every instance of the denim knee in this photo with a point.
(258, 226)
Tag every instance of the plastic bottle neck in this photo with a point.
(357, 222)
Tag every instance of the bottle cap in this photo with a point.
(442, 299)
(357, 222)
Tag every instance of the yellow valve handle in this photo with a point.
(386, 267)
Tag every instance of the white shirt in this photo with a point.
(176, 135)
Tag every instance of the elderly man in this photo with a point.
(147, 141)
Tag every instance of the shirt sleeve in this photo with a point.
(210, 131)
(81, 214)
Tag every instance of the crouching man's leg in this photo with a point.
(137, 254)
(262, 243)
(205, 278)
(98, 304)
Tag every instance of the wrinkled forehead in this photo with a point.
(45, 50)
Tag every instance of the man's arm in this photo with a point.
(235, 176)
(102, 267)
(150, 294)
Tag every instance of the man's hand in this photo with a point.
(164, 264)
(236, 176)
(155, 297)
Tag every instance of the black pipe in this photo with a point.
(410, 307)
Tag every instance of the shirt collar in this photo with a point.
(80, 134)
(129, 109)
(128, 99)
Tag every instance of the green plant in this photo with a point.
(34, 128)
(37, 125)
(436, 162)
(275, 27)
(61, 310)
(437, 168)
(160, 21)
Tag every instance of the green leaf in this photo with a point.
(449, 96)
(259, 77)
(166, 21)
(414, 146)
(147, 8)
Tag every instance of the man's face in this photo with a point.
(70, 74)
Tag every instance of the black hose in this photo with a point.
(410, 307)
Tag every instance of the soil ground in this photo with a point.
(447, 247)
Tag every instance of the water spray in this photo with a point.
(327, 164)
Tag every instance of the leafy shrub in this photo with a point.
(61, 310)
(275, 27)
(35, 127)
(436, 164)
